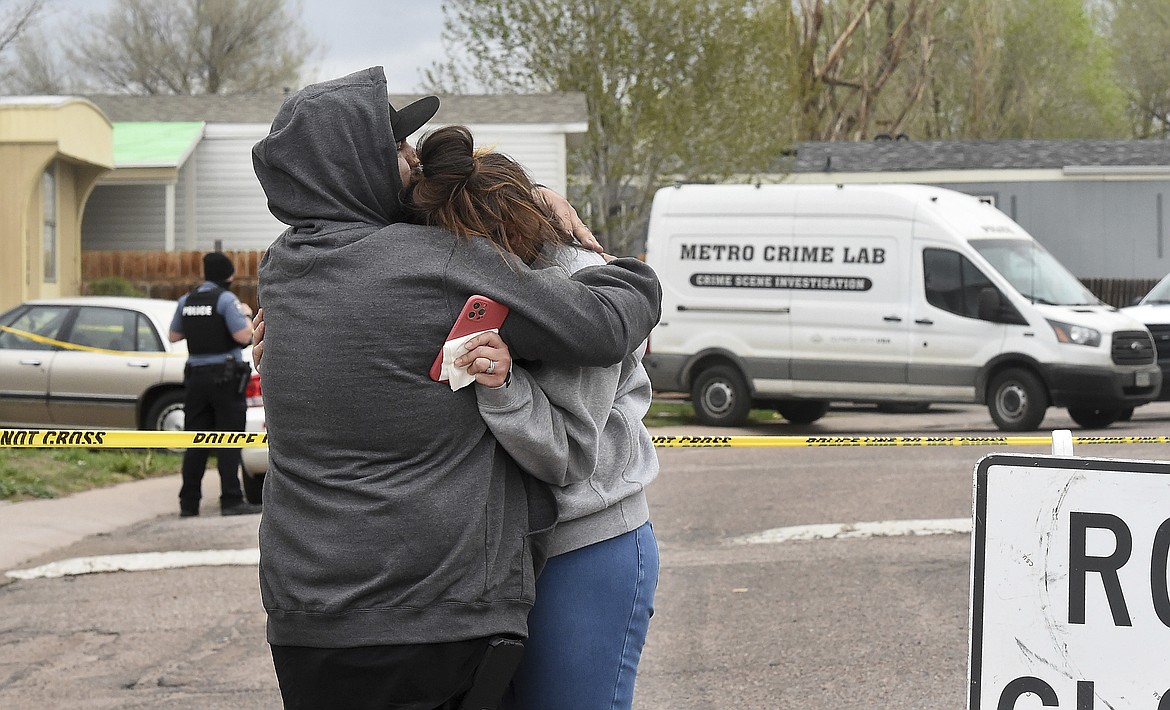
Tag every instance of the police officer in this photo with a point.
(216, 325)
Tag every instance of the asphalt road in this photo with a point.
(862, 622)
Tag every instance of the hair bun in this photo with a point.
(448, 152)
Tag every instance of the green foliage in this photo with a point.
(1140, 33)
(675, 89)
(114, 286)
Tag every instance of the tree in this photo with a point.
(194, 46)
(37, 69)
(16, 16)
(1020, 69)
(675, 89)
(847, 57)
(1140, 34)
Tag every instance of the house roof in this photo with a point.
(911, 155)
(155, 144)
(557, 108)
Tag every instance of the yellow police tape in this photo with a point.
(83, 348)
(670, 442)
(128, 439)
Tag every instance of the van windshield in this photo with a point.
(1159, 294)
(1034, 272)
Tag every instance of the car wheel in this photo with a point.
(1017, 400)
(253, 486)
(166, 414)
(801, 412)
(1093, 418)
(721, 397)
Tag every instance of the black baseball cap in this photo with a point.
(412, 117)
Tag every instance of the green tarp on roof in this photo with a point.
(155, 144)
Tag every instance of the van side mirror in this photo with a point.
(989, 304)
(992, 307)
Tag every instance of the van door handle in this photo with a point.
(30, 361)
(892, 319)
(139, 364)
(924, 321)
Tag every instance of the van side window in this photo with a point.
(952, 282)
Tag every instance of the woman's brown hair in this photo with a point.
(480, 195)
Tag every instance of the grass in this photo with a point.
(27, 474)
(678, 413)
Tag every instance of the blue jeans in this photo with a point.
(586, 632)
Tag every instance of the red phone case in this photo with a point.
(479, 313)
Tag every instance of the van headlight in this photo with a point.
(1075, 334)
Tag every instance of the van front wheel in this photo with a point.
(1017, 400)
(721, 397)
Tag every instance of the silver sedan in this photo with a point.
(103, 362)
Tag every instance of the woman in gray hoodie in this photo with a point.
(578, 429)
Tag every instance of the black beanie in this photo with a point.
(217, 268)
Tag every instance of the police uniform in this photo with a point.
(215, 380)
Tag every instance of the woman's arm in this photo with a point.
(595, 318)
(553, 436)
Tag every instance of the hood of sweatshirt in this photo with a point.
(331, 158)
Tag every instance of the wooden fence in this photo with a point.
(1119, 292)
(171, 274)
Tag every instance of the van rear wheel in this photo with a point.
(721, 397)
(1092, 418)
(1017, 400)
(802, 412)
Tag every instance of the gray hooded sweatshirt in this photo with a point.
(391, 515)
(580, 429)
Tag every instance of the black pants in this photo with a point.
(417, 677)
(212, 405)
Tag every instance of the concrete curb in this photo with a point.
(32, 528)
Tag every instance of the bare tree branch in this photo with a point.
(16, 17)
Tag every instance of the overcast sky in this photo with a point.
(401, 35)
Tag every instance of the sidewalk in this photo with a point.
(32, 528)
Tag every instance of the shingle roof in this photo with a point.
(262, 108)
(894, 156)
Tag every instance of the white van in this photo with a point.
(1153, 311)
(793, 296)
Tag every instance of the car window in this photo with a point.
(148, 340)
(952, 282)
(45, 321)
(113, 329)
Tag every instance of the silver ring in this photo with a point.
(491, 367)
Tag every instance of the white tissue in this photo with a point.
(457, 377)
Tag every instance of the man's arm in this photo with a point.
(595, 318)
(237, 316)
(176, 334)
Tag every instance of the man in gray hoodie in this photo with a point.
(397, 537)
